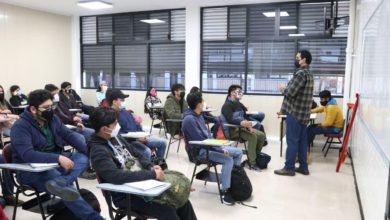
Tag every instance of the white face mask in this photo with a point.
(239, 95)
(56, 98)
(115, 132)
(123, 105)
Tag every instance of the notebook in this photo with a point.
(216, 141)
(146, 184)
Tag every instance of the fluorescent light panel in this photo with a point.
(296, 35)
(152, 21)
(273, 14)
(292, 27)
(95, 5)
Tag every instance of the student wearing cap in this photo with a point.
(127, 122)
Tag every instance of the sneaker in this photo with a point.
(10, 200)
(88, 174)
(284, 172)
(302, 171)
(59, 188)
(227, 198)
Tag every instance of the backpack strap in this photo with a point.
(242, 203)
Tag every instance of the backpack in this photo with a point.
(240, 185)
(179, 192)
(220, 134)
(262, 160)
(63, 213)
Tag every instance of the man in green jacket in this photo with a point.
(174, 107)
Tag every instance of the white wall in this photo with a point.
(35, 48)
(370, 164)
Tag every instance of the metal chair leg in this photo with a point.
(219, 188)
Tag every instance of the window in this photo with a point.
(255, 45)
(130, 53)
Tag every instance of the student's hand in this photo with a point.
(278, 113)
(159, 173)
(225, 151)
(7, 111)
(246, 124)
(143, 140)
(65, 162)
(282, 87)
(77, 119)
(80, 125)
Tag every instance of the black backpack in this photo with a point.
(240, 186)
(262, 160)
(63, 213)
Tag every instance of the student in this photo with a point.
(334, 119)
(17, 96)
(5, 110)
(73, 100)
(151, 100)
(66, 116)
(233, 113)
(297, 102)
(127, 122)
(38, 137)
(195, 129)
(101, 92)
(110, 155)
(174, 107)
(208, 116)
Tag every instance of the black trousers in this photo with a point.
(159, 211)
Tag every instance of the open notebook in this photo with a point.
(145, 185)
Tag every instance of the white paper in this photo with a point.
(139, 134)
(145, 185)
(35, 165)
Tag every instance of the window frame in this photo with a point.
(247, 39)
(148, 42)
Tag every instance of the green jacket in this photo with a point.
(173, 110)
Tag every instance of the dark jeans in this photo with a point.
(159, 211)
(313, 130)
(78, 207)
(296, 143)
(7, 185)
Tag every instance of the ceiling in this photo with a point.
(69, 7)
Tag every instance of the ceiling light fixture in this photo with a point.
(153, 21)
(296, 35)
(95, 4)
(292, 27)
(273, 14)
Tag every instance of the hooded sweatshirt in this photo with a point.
(333, 114)
(195, 129)
(174, 110)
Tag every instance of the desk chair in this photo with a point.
(238, 139)
(205, 174)
(168, 129)
(40, 197)
(114, 212)
(330, 138)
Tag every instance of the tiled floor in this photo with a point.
(324, 194)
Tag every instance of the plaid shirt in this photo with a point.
(298, 96)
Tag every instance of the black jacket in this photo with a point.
(109, 169)
(230, 108)
(70, 101)
(17, 100)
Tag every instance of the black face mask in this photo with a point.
(2, 97)
(324, 103)
(297, 65)
(182, 94)
(67, 90)
(47, 114)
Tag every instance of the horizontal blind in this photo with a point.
(131, 58)
(223, 58)
(271, 58)
(261, 26)
(178, 25)
(123, 27)
(141, 31)
(214, 23)
(311, 18)
(97, 59)
(105, 29)
(88, 26)
(167, 58)
(289, 21)
(159, 31)
(237, 23)
(328, 55)
(343, 11)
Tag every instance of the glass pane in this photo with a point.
(167, 65)
(288, 24)
(105, 29)
(97, 65)
(237, 23)
(159, 31)
(223, 64)
(88, 25)
(131, 66)
(178, 25)
(261, 22)
(215, 23)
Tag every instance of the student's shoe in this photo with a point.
(227, 198)
(88, 174)
(10, 200)
(302, 171)
(284, 172)
(59, 188)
